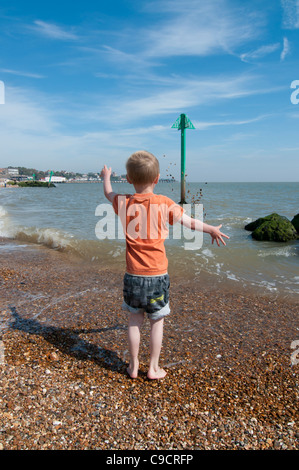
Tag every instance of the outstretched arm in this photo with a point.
(196, 224)
(106, 174)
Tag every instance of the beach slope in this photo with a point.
(232, 381)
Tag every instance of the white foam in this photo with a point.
(281, 251)
(269, 285)
(207, 252)
(231, 276)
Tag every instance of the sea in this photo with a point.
(70, 218)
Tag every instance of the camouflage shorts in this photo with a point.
(149, 294)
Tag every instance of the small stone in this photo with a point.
(57, 423)
(277, 445)
(53, 356)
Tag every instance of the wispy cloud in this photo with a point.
(200, 28)
(260, 52)
(125, 58)
(22, 74)
(160, 99)
(122, 60)
(180, 95)
(286, 49)
(205, 125)
(290, 14)
(53, 31)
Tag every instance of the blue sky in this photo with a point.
(88, 83)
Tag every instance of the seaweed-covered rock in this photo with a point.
(256, 223)
(273, 227)
(295, 222)
(36, 184)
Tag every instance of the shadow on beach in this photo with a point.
(69, 342)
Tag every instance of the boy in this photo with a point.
(146, 282)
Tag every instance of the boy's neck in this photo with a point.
(144, 188)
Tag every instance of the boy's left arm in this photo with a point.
(108, 191)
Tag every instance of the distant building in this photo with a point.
(56, 179)
(81, 178)
(13, 171)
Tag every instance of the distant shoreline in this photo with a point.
(16, 183)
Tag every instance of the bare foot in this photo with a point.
(156, 374)
(133, 371)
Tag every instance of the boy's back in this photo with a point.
(144, 218)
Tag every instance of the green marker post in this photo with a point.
(183, 122)
(51, 173)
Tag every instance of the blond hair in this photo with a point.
(142, 167)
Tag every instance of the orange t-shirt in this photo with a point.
(144, 218)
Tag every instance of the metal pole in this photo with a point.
(183, 123)
(183, 160)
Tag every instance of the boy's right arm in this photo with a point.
(195, 224)
(105, 174)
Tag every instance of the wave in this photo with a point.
(89, 250)
(240, 264)
(50, 237)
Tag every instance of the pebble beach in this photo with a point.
(232, 374)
